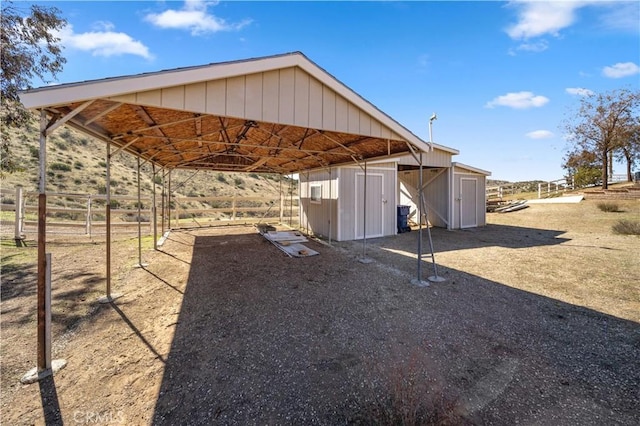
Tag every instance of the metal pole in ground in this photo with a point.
(44, 365)
(364, 258)
(140, 264)
(42, 246)
(154, 211)
(108, 297)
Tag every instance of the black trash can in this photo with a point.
(403, 214)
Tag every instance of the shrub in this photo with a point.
(78, 165)
(221, 178)
(627, 227)
(34, 151)
(609, 207)
(60, 166)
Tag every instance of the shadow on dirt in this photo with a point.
(486, 236)
(262, 338)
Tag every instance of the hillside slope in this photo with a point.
(76, 164)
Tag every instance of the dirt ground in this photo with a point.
(538, 322)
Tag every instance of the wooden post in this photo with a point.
(154, 210)
(139, 219)
(88, 221)
(19, 217)
(47, 318)
(108, 220)
(233, 208)
(162, 203)
(42, 245)
(281, 202)
(169, 203)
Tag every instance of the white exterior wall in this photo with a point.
(480, 202)
(285, 96)
(320, 217)
(435, 158)
(339, 212)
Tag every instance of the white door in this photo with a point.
(374, 208)
(468, 203)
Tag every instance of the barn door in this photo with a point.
(374, 208)
(468, 203)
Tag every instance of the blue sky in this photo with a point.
(501, 76)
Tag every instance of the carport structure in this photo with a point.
(278, 114)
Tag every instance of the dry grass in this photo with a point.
(588, 264)
(626, 227)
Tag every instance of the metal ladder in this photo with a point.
(424, 216)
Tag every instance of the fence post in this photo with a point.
(233, 209)
(19, 210)
(88, 231)
(540, 190)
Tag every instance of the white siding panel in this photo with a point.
(328, 109)
(365, 124)
(195, 97)
(437, 158)
(301, 98)
(315, 104)
(151, 97)
(130, 98)
(173, 97)
(253, 96)
(385, 132)
(236, 96)
(286, 97)
(270, 94)
(376, 128)
(342, 115)
(217, 97)
(354, 119)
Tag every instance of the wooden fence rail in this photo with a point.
(84, 214)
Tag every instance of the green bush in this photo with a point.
(609, 207)
(60, 166)
(627, 227)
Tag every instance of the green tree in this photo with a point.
(582, 168)
(601, 124)
(30, 49)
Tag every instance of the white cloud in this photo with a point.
(540, 134)
(518, 100)
(622, 16)
(621, 69)
(195, 18)
(578, 91)
(103, 41)
(537, 18)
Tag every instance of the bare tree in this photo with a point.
(629, 150)
(603, 123)
(30, 49)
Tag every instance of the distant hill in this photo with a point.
(76, 164)
(518, 187)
